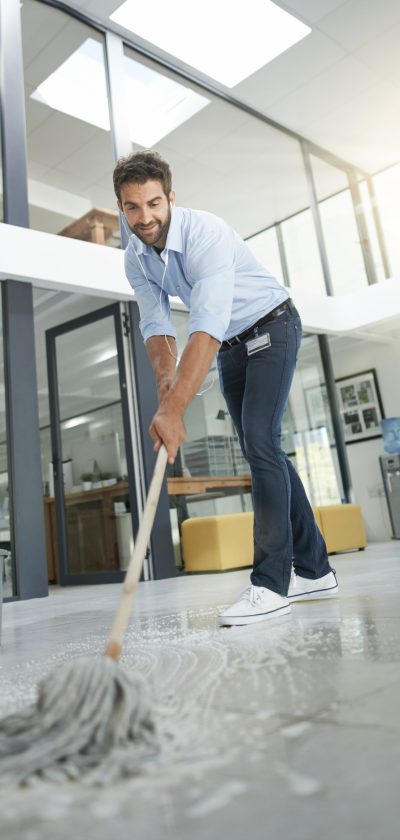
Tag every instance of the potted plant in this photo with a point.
(86, 479)
(96, 480)
(105, 478)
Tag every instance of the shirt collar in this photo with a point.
(174, 236)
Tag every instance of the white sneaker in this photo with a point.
(255, 604)
(306, 589)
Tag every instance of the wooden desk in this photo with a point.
(193, 485)
(101, 524)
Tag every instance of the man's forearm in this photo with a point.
(162, 361)
(192, 369)
(167, 426)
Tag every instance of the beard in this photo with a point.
(158, 235)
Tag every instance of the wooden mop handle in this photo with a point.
(124, 608)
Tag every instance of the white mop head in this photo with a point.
(91, 720)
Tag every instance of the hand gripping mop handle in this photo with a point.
(124, 608)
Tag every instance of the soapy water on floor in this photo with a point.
(221, 698)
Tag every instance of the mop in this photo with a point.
(91, 719)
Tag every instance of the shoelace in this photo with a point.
(252, 594)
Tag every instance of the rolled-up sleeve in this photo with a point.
(153, 303)
(211, 260)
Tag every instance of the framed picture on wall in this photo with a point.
(360, 406)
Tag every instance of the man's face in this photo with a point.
(146, 209)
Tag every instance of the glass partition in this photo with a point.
(265, 247)
(212, 448)
(223, 160)
(339, 226)
(367, 204)
(302, 254)
(309, 433)
(69, 148)
(387, 189)
(210, 475)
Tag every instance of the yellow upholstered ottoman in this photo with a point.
(215, 543)
(342, 527)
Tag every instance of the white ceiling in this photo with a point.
(339, 86)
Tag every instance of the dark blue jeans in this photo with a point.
(256, 388)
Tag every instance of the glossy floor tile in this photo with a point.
(287, 728)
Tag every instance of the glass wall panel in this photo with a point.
(387, 189)
(341, 236)
(302, 254)
(70, 159)
(223, 160)
(373, 240)
(5, 527)
(210, 457)
(265, 247)
(212, 447)
(308, 432)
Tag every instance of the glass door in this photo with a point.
(92, 477)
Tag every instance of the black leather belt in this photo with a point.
(237, 339)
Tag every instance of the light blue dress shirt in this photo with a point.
(209, 267)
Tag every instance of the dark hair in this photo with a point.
(140, 167)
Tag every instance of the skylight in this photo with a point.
(157, 105)
(223, 39)
(78, 86)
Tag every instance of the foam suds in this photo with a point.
(219, 798)
(295, 730)
(298, 783)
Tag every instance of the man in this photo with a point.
(240, 311)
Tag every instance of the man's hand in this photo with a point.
(167, 427)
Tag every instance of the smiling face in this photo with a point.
(147, 211)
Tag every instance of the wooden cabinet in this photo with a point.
(92, 531)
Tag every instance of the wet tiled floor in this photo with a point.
(287, 728)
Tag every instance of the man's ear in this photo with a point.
(120, 206)
(172, 197)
